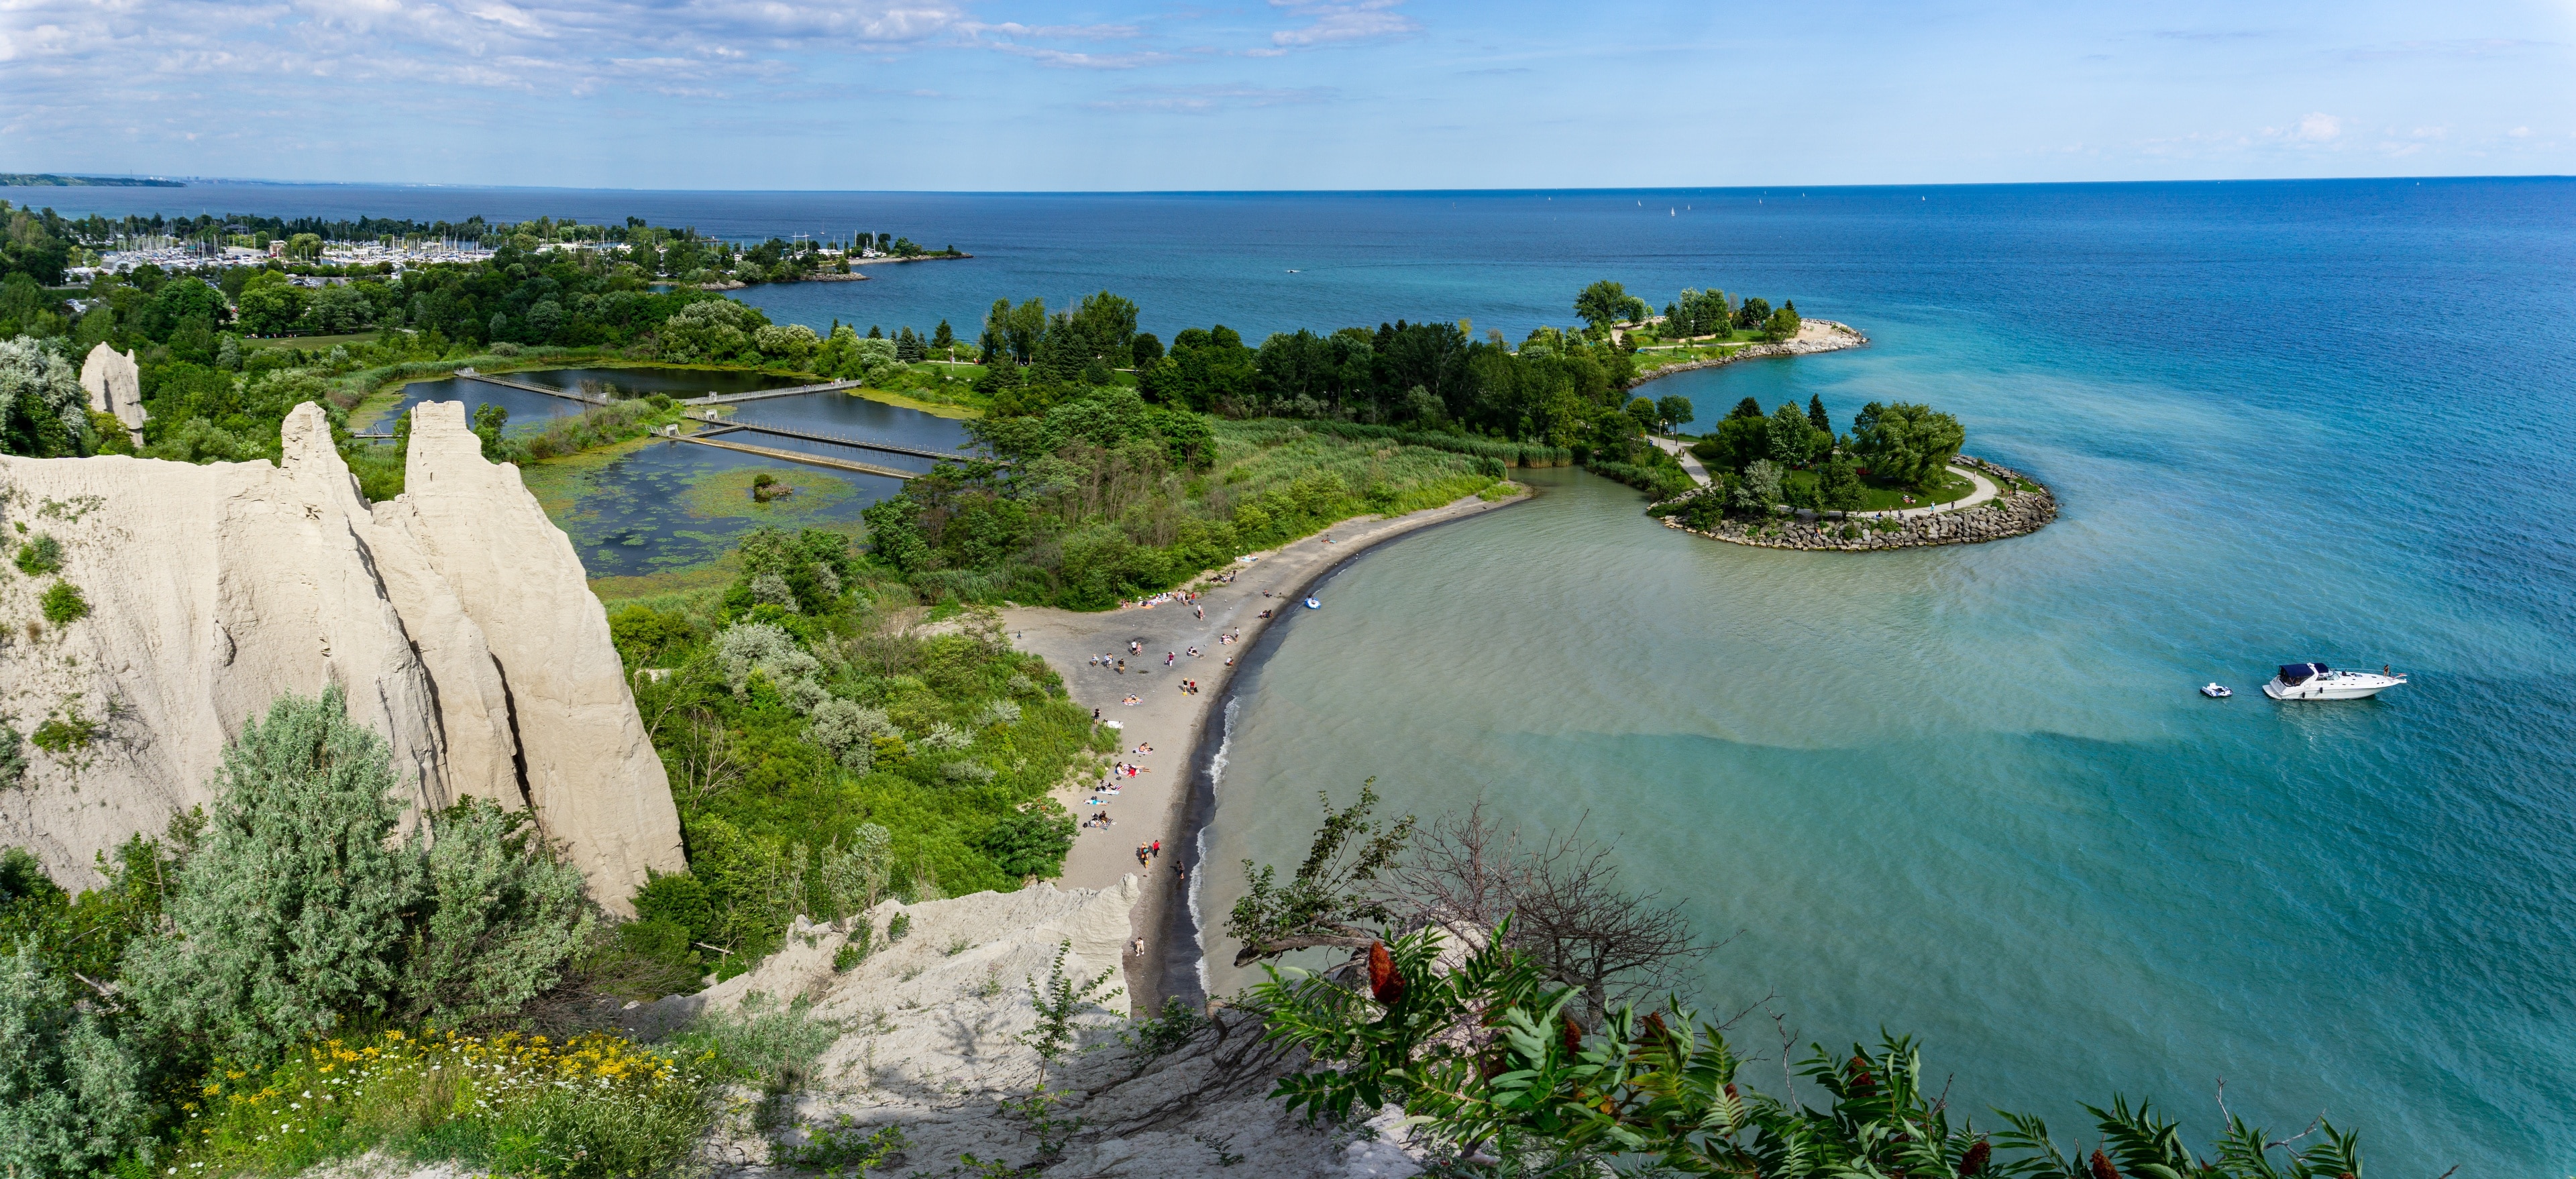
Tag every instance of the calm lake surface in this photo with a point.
(1968, 792)
(662, 506)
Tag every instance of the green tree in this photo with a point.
(289, 918)
(1838, 485)
(489, 418)
(1031, 842)
(1643, 412)
(1792, 439)
(1761, 488)
(1905, 443)
(1816, 416)
(1606, 302)
(43, 412)
(943, 339)
(297, 911)
(1674, 409)
(71, 1096)
(1781, 325)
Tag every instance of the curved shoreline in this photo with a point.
(1177, 809)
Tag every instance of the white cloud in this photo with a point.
(1197, 100)
(1067, 59)
(1342, 23)
(2317, 128)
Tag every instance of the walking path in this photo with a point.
(1986, 488)
(1690, 462)
(1157, 803)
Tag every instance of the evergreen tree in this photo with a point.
(875, 332)
(943, 339)
(1816, 414)
(1747, 408)
(290, 915)
(1838, 484)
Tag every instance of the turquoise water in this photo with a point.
(1969, 792)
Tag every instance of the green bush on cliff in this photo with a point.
(298, 913)
(825, 750)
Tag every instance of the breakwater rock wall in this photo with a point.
(455, 618)
(2012, 513)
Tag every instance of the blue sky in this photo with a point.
(991, 94)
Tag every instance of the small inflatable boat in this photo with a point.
(1312, 604)
(2218, 691)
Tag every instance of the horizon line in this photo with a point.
(1497, 191)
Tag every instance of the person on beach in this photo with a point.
(1158, 847)
(1202, 613)
(1168, 657)
(1136, 646)
(1095, 714)
(1229, 661)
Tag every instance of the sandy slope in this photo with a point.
(1154, 804)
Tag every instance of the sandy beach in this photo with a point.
(1157, 803)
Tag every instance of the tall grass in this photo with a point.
(592, 1107)
(1269, 431)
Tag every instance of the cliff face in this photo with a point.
(456, 618)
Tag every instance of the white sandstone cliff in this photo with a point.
(115, 386)
(456, 618)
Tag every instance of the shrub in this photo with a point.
(898, 926)
(41, 555)
(766, 1042)
(61, 735)
(504, 914)
(299, 911)
(64, 603)
(71, 1097)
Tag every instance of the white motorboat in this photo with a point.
(2316, 681)
(2217, 691)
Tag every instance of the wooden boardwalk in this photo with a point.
(529, 387)
(836, 440)
(794, 456)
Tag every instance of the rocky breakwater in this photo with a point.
(455, 618)
(2020, 507)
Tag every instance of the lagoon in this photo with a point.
(649, 507)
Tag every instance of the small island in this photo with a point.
(1785, 480)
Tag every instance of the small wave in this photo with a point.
(1199, 844)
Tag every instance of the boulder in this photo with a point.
(214, 589)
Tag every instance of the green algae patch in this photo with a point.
(727, 494)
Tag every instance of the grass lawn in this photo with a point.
(1878, 497)
(312, 343)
